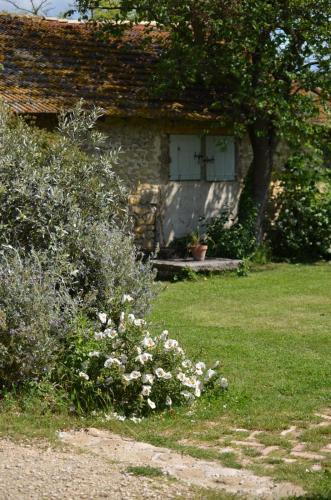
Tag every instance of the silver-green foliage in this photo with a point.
(59, 194)
(54, 186)
(66, 242)
(35, 312)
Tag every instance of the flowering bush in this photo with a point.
(121, 365)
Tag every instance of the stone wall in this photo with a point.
(162, 209)
(142, 150)
(144, 205)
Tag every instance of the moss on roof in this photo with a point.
(49, 64)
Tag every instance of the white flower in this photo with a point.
(112, 361)
(99, 335)
(127, 377)
(187, 395)
(151, 404)
(200, 367)
(198, 388)
(146, 390)
(139, 322)
(224, 383)
(131, 318)
(102, 317)
(126, 298)
(121, 328)
(179, 350)
(168, 401)
(121, 418)
(110, 333)
(189, 382)
(94, 354)
(164, 335)
(144, 357)
(109, 322)
(135, 374)
(186, 380)
(186, 363)
(136, 420)
(124, 359)
(181, 376)
(148, 378)
(159, 372)
(148, 342)
(122, 317)
(83, 375)
(170, 344)
(114, 416)
(210, 374)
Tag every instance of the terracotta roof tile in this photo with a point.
(50, 64)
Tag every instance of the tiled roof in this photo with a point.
(48, 65)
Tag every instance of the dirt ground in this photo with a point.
(30, 471)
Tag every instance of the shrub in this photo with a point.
(111, 265)
(35, 313)
(236, 241)
(122, 366)
(300, 224)
(59, 195)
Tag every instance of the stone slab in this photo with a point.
(307, 455)
(239, 483)
(171, 267)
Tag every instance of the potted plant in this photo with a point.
(198, 245)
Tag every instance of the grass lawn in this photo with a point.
(272, 332)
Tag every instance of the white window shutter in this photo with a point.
(220, 149)
(184, 157)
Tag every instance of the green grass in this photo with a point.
(144, 470)
(271, 331)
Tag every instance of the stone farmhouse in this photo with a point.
(180, 164)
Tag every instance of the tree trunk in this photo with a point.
(263, 142)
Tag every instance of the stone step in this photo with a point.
(168, 268)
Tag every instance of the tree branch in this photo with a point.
(42, 7)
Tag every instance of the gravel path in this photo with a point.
(39, 472)
(94, 463)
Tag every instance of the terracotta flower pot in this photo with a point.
(199, 251)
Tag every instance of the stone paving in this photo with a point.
(289, 446)
(186, 469)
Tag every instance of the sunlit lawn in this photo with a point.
(272, 332)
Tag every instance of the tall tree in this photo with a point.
(265, 64)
